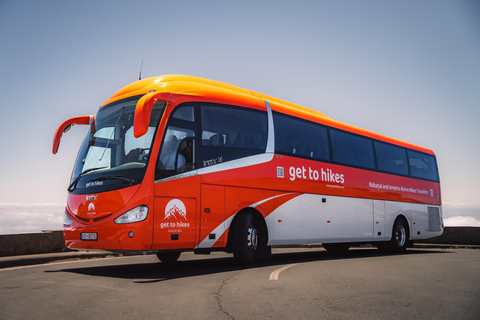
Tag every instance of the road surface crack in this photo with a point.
(218, 296)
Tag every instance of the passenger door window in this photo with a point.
(177, 151)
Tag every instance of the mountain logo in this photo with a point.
(175, 209)
(91, 209)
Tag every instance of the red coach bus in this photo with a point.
(180, 163)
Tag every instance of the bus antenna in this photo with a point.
(140, 74)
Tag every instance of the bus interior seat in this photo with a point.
(216, 140)
(234, 139)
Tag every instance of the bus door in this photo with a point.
(175, 214)
(177, 186)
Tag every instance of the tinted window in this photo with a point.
(422, 165)
(391, 158)
(184, 113)
(230, 133)
(351, 149)
(168, 159)
(172, 158)
(300, 138)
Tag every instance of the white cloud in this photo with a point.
(458, 209)
(461, 221)
(21, 218)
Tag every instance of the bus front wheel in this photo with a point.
(247, 238)
(168, 257)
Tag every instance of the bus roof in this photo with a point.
(196, 86)
(185, 84)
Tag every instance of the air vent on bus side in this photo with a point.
(433, 219)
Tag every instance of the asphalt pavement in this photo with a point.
(295, 283)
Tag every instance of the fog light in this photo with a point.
(130, 234)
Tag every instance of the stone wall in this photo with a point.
(458, 236)
(31, 243)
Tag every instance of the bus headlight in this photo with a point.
(66, 220)
(135, 215)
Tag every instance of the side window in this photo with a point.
(351, 149)
(300, 138)
(184, 113)
(391, 158)
(177, 152)
(422, 166)
(230, 133)
(169, 159)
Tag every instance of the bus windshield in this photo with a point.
(110, 156)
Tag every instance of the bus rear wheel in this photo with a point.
(400, 236)
(168, 257)
(247, 238)
(399, 240)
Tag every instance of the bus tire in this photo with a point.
(168, 257)
(246, 238)
(400, 235)
(336, 247)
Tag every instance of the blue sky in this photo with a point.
(406, 69)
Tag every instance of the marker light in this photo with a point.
(135, 215)
(66, 220)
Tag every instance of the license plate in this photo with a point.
(88, 236)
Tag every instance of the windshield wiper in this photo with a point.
(73, 185)
(130, 182)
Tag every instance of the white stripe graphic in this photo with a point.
(220, 229)
(268, 199)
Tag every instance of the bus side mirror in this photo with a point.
(143, 111)
(67, 125)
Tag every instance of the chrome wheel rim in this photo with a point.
(252, 238)
(400, 235)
